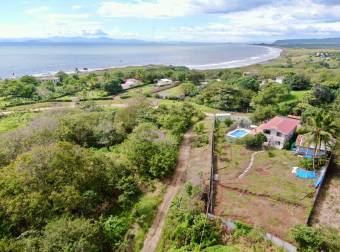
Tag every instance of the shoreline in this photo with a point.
(273, 53)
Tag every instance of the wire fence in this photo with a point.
(211, 193)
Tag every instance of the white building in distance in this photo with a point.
(164, 82)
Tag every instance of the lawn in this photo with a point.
(172, 92)
(269, 196)
(202, 108)
(93, 94)
(144, 89)
(13, 121)
(295, 96)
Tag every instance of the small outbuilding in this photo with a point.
(129, 83)
(164, 82)
(50, 78)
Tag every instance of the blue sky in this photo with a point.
(175, 20)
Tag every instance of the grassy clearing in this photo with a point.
(277, 199)
(142, 90)
(295, 96)
(39, 106)
(14, 121)
(202, 108)
(269, 172)
(173, 92)
(198, 172)
(233, 160)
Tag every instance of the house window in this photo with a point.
(277, 143)
(278, 134)
(266, 132)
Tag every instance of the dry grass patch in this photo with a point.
(269, 196)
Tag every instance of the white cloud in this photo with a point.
(174, 8)
(231, 20)
(76, 7)
(37, 10)
(146, 9)
(269, 22)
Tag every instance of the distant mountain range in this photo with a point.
(309, 43)
(74, 40)
(86, 41)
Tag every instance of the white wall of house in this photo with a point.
(276, 139)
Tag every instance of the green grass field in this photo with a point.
(172, 92)
(295, 96)
(145, 89)
(202, 108)
(13, 121)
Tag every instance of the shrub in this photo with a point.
(306, 163)
(145, 210)
(308, 238)
(271, 154)
(228, 122)
(199, 128)
(115, 228)
(254, 142)
(200, 141)
(241, 229)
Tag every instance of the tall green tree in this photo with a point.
(321, 130)
(297, 81)
(113, 87)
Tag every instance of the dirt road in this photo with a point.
(155, 232)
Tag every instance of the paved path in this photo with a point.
(155, 232)
(250, 164)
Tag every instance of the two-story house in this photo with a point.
(278, 130)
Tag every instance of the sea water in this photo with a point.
(44, 59)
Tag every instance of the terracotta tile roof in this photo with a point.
(284, 125)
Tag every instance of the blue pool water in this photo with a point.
(239, 133)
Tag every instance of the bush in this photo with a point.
(200, 141)
(241, 229)
(271, 154)
(254, 142)
(228, 122)
(73, 235)
(199, 128)
(48, 182)
(145, 210)
(125, 96)
(115, 228)
(307, 163)
(297, 81)
(187, 228)
(308, 238)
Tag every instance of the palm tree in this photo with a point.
(321, 129)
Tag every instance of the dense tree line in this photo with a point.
(31, 89)
(84, 171)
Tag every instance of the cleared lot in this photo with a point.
(268, 196)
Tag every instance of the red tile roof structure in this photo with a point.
(281, 124)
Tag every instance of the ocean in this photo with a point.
(48, 59)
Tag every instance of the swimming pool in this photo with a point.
(238, 133)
